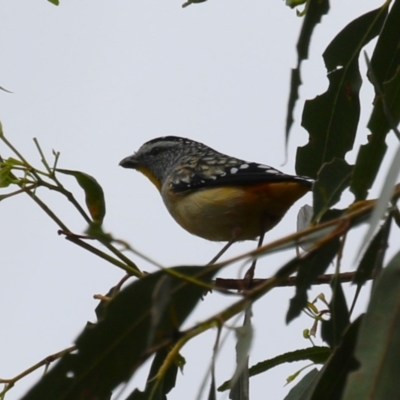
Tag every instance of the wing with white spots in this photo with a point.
(233, 173)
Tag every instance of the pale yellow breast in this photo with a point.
(219, 213)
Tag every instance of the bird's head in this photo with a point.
(157, 157)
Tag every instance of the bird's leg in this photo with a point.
(222, 251)
(235, 235)
(248, 277)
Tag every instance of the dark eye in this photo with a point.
(155, 151)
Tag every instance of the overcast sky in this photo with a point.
(96, 79)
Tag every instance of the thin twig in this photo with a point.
(45, 362)
(237, 284)
(6, 196)
(44, 161)
(127, 268)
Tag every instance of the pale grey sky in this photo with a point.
(96, 79)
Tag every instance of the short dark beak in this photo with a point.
(129, 162)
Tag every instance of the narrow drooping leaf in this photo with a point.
(384, 67)
(101, 308)
(332, 329)
(378, 345)
(385, 115)
(331, 119)
(304, 218)
(212, 394)
(240, 386)
(383, 200)
(333, 178)
(189, 2)
(372, 260)
(314, 264)
(4, 90)
(6, 176)
(331, 379)
(386, 57)
(315, 10)
(161, 303)
(157, 387)
(300, 391)
(109, 352)
(315, 354)
(94, 195)
(294, 3)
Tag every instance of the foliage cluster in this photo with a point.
(143, 318)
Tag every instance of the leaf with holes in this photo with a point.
(315, 10)
(385, 116)
(331, 119)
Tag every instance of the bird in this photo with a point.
(213, 195)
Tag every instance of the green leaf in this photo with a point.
(294, 3)
(383, 200)
(109, 352)
(14, 162)
(333, 178)
(384, 66)
(4, 90)
(370, 155)
(315, 10)
(160, 303)
(332, 329)
(331, 119)
(189, 2)
(316, 354)
(240, 386)
(372, 261)
(312, 265)
(164, 385)
(55, 2)
(332, 377)
(212, 394)
(385, 60)
(6, 176)
(101, 308)
(300, 391)
(378, 345)
(94, 194)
